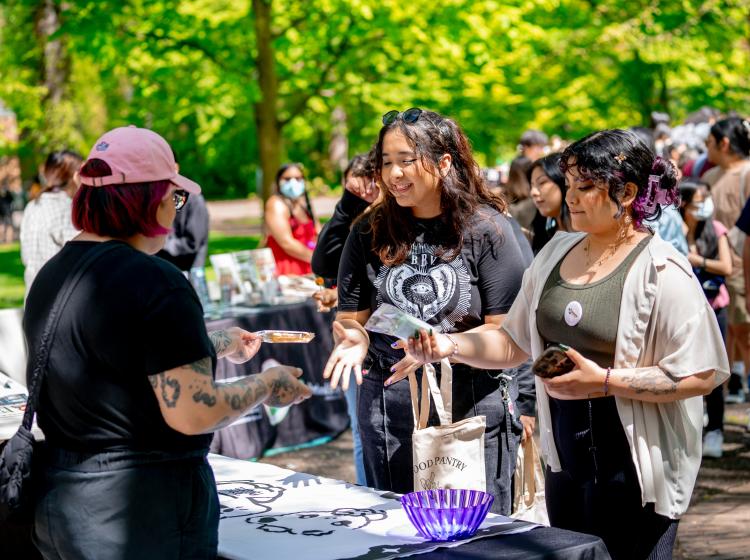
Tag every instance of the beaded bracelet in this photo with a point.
(606, 382)
(455, 345)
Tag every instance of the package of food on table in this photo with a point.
(285, 336)
(390, 320)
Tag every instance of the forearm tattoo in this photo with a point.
(283, 392)
(221, 341)
(245, 394)
(651, 380)
(237, 397)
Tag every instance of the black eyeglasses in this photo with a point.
(409, 116)
(180, 198)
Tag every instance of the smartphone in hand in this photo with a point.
(552, 362)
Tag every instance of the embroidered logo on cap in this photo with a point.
(101, 146)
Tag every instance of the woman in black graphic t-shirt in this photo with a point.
(438, 247)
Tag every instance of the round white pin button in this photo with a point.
(573, 313)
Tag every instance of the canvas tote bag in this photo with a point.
(450, 455)
(529, 503)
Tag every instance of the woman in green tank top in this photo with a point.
(621, 433)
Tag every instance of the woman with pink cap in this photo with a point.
(128, 402)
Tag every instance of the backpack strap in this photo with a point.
(42, 354)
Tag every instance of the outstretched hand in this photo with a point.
(425, 347)
(347, 356)
(586, 380)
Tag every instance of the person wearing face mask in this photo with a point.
(711, 258)
(290, 223)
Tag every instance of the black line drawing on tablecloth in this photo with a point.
(295, 523)
(241, 498)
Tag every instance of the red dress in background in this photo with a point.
(286, 264)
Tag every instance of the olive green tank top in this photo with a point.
(585, 317)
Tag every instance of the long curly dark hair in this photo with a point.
(462, 190)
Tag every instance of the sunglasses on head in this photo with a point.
(180, 198)
(409, 116)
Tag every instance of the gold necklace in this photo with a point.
(607, 254)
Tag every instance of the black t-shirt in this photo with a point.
(454, 294)
(130, 316)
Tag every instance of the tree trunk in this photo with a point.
(266, 116)
(338, 149)
(55, 66)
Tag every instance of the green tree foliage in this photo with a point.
(237, 86)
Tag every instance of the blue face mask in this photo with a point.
(292, 188)
(705, 211)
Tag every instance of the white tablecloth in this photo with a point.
(269, 513)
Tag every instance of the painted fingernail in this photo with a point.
(388, 382)
(430, 332)
(393, 369)
(395, 344)
(416, 335)
(564, 346)
(365, 371)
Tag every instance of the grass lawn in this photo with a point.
(11, 276)
(11, 269)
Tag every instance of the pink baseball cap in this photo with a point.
(136, 155)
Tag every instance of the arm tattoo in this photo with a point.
(221, 341)
(170, 390)
(246, 394)
(201, 397)
(202, 366)
(651, 380)
(283, 392)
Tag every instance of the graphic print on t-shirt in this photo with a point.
(426, 287)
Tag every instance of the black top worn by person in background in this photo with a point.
(131, 316)
(187, 245)
(330, 245)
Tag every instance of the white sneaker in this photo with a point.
(712, 443)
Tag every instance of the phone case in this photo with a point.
(552, 362)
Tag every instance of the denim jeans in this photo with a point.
(386, 425)
(351, 407)
(121, 504)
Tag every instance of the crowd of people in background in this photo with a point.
(655, 180)
(566, 230)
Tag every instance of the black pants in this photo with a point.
(610, 509)
(386, 425)
(122, 505)
(715, 399)
(597, 491)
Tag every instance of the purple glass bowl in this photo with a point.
(447, 514)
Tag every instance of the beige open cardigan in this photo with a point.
(665, 320)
